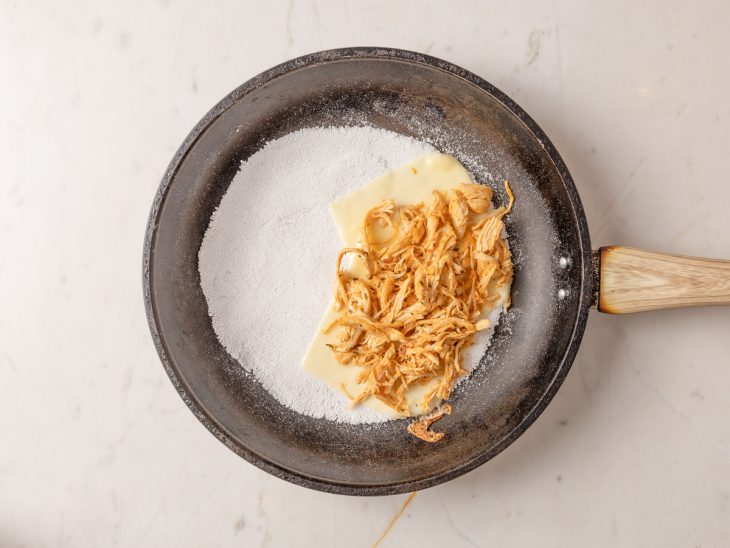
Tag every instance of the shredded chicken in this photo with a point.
(408, 320)
(420, 427)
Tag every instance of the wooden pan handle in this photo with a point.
(634, 280)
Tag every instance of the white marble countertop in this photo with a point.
(99, 450)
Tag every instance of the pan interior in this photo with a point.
(527, 356)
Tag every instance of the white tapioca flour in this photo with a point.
(267, 259)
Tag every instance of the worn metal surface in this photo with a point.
(430, 99)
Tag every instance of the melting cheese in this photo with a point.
(411, 183)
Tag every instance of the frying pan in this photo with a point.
(557, 276)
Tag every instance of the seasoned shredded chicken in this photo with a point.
(408, 320)
(420, 427)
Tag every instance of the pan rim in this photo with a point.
(269, 465)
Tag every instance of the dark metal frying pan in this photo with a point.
(556, 275)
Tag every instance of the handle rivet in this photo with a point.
(564, 262)
(562, 294)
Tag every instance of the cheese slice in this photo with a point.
(411, 183)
